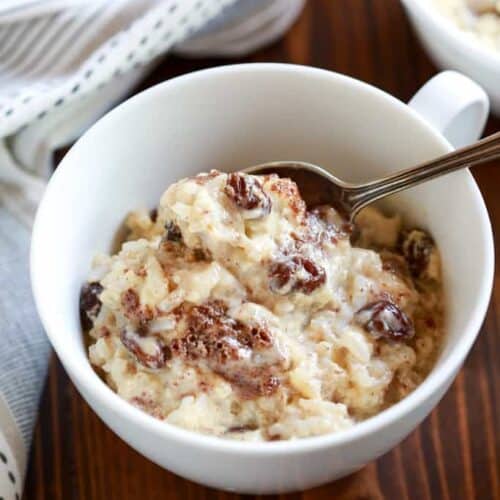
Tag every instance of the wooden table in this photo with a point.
(453, 455)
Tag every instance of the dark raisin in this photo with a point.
(385, 319)
(296, 274)
(90, 305)
(153, 215)
(155, 360)
(417, 247)
(247, 193)
(173, 233)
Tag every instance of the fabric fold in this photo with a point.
(59, 72)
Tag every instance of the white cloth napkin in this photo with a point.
(62, 65)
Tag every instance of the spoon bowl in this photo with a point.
(318, 186)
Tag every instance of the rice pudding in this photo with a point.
(234, 310)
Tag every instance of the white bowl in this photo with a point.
(229, 118)
(451, 48)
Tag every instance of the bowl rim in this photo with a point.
(458, 36)
(103, 396)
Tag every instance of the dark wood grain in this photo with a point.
(453, 455)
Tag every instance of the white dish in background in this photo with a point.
(232, 117)
(451, 48)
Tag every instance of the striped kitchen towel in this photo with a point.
(62, 65)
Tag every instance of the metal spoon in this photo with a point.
(318, 186)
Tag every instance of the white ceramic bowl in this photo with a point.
(451, 48)
(229, 118)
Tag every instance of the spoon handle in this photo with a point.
(480, 152)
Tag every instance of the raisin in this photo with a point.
(247, 193)
(296, 274)
(90, 304)
(417, 247)
(153, 215)
(173, 233)
(385, 319)
(154, 361)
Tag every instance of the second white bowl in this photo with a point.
(451, 48)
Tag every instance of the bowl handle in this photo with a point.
(454, 105)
